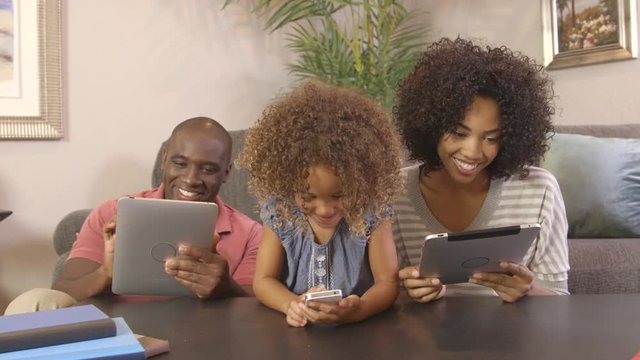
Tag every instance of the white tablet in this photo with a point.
(454, 257)
(147, 232)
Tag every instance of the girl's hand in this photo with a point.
(319, 312)
(295, 313)
(419, 288)
(295, 310)
(511, 286)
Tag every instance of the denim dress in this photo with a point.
(341, 263)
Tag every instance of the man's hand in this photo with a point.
(203, 271)
(109, 236)
(511, 286)
(419, 288)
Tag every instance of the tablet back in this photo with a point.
(147, 232)
(454, 257)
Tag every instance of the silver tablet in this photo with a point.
(454, 257)
(147, 232)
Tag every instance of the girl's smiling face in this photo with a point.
(468, 150)
(322, 203)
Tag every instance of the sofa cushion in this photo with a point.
(600, 183)
(604, 267)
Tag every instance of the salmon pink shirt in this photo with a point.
(239, 236)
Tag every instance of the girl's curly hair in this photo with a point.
(433, 99)
(322, 124)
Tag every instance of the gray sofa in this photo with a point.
(598, 264)
(599, 175)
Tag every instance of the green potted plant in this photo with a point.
(368, 44)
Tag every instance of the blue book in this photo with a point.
(122, 346)
(53, 327)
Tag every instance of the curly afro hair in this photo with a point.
(320, 124)
(433, 98)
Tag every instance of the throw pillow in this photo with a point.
(600, 183)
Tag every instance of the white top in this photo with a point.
(511, 201)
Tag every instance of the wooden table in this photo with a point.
(550, 327)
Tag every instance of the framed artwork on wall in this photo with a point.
(582, 32)
(30, 70)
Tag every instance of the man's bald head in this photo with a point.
(203, 126)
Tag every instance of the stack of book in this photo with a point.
(79, 332)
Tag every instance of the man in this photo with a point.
(196, 161)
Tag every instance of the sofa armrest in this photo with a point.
(628, 131)
(58, 267)
(65, 232)
(64, 235)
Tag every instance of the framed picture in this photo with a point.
(582, 32)
(30, 70)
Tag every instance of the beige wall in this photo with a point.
(601, 93)
(133, 69)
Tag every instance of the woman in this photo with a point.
(478, 119)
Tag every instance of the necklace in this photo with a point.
(320, 272)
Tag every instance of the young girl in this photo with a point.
(478, 120)
(324, 164)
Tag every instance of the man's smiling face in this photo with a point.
(195, 163)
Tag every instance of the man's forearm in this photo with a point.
(89, 285)
(230, 288)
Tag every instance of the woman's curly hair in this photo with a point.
(320, 124)
(433, 99)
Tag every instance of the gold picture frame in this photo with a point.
(34, 110)
(583, 32)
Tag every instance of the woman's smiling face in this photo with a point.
(471, 147)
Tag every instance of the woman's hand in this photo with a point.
(513, 285)
(421, 289)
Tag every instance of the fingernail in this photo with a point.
(435, 281)
(415, 273)
(477, 276)
(182, 249)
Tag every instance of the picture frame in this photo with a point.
(583, 32)
(31, 95)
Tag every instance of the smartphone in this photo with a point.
(333, 296)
